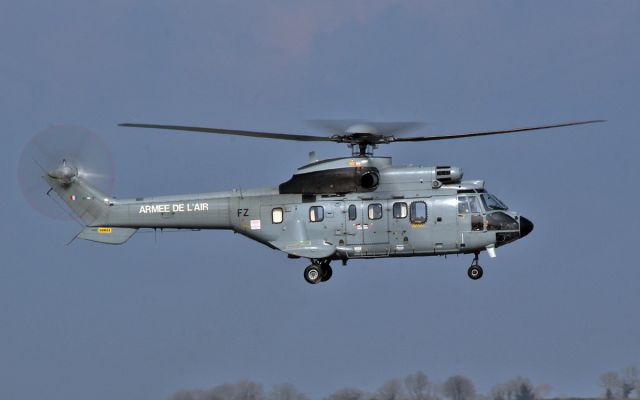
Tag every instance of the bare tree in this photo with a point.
(542, 390)
(286, 391)
(247, 390)
(224, 391)
(243, 390)
(458, 387)
(621, 386)
(525, 392)
(392, 390)
(419, 387)
(612, 383)
(513, 388)
(194, 395)
(347, 394)
(630, 381)
(499, 392)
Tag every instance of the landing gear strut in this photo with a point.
(475, 270)
(318, 271)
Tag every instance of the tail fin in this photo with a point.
(92, 207)
(84, 200)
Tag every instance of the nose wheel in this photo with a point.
(319, 271)
(475, 270)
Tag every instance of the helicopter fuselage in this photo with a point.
(407, 212)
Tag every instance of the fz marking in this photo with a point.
(243, 212)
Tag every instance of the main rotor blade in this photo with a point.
(487, 133)
(270, 135)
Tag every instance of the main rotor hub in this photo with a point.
(363, 139)
(362, 129)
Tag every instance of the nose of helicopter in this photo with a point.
(526, 226)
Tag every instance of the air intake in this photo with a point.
(448, 174)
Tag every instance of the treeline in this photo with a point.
(616, 386)
(621, 385)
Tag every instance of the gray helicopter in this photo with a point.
(337, 209)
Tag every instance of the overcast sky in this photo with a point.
(192, 310)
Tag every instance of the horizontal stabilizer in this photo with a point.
(106, 234)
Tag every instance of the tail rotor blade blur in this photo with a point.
(57, 145)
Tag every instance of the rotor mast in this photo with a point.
(362, 149)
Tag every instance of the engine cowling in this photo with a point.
(333, 181)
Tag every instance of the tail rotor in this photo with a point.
(64, 153)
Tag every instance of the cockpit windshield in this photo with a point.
(491, 202)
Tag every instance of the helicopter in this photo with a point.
(355, 207)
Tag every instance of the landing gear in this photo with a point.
(319, 271)
(475, 270)
(313, 274)
(328, 272)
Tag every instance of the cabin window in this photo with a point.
(353, 212)
(418, 212)
(375, 211)
(468, 205)
(400, 210)
(277, 215)
(316, 213)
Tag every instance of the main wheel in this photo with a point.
(313, 274)
(475, 272)
(328, 271)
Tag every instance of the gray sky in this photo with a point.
(197, 309)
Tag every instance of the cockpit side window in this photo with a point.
(491, 202)
(499, 221)
(468, 205)
(473, 204)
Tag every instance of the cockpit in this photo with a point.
(479, 203)
(470, 203)
(480, 211)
